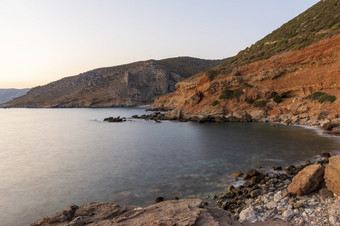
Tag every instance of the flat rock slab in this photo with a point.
(173, 212)
(307, 180)
(332, 175)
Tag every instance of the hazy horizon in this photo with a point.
(43, 41)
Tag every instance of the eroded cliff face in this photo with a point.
(126, 85)
(293, 75)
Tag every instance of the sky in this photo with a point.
(44, 40)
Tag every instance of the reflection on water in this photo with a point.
(52, 157)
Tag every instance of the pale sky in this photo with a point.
(44, 40)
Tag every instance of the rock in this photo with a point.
(277, 197)
(248, 214)
(307, 180)
(288, 214)
(172, 212)
(271, 205)
(255, 193)
(327, 126)
(251, 173)
(237, 174)
(299, 204)
(336, 130)
(324, 194)
(258, 115)
(173, 115)
(285, 194)
(159, 199)
(325, 155)
(278, 168)
(112, 119)
(65, 215)
(332, 175)
(333, 221)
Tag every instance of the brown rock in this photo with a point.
(336, 130)
(174, 212)
(173, 115)
(332, 175)
(237, 174)
(307, 180)
(258, 114)
(324, 194)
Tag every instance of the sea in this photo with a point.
(50, 158)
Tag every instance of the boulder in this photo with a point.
(173, 115)
(336, 130)
(327, 126)
(332, 175)
(248, 214)
(258, 115)
(307, 180)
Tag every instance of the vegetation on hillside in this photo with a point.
(321, 97)
(318, 22)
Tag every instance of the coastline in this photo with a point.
(251, 210)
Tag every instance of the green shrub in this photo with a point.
(260, 103)
(321, 97)
(230, 94)
(212, 74)
(163, 101)
(214, 103)
(238, 73)
(248, 85)
(327, 97)
(277, 98)
(315, 96)
(249, 100)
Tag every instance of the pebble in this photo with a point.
(271, 205)
(288, 214)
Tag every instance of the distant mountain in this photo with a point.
(9, 94)
(126, 85)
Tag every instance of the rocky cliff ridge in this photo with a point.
(273, 80)
(126, 85)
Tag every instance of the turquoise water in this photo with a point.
(50, 158)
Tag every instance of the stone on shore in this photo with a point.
(307, 180)
(332, 175)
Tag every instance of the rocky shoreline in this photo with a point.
(264, 198)
(283, 195)
(278, 198)
(320, 119)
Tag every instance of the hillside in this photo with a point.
(126, 85)
(290, 76)
(9, 94)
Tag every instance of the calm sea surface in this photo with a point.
(50, 158)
